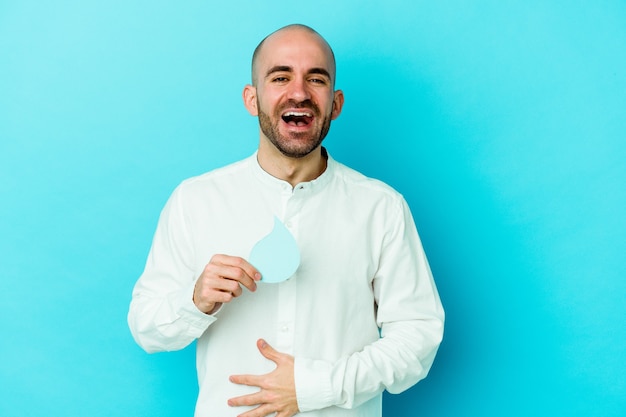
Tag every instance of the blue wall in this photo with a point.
(503, 124)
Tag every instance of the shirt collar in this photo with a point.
(315, 184)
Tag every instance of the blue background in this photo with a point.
(502, 122)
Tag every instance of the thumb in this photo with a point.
(267, 351)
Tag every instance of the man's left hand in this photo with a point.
(278, 390)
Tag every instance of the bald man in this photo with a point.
(361, 313)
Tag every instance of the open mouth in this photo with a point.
(298, 118)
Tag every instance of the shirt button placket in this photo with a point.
(287, 289)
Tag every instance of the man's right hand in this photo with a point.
(221, 281)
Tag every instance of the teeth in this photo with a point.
(298, 114)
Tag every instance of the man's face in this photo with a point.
(295, 101)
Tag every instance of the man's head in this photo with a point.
(296, 27)
(292, 91)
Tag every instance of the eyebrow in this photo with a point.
(320, 71)
(286, 68)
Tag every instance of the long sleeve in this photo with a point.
(411, 318)
(162, 315)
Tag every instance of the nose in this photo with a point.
(298, 90)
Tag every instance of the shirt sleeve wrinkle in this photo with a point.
(395, 362)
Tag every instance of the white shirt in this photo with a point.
(360, 315)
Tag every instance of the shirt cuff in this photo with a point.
(189, 313)
(313, 381)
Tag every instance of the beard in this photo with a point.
(296, 144)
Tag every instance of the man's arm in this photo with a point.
(170, 308)
(410, 316)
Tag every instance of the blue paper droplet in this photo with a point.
(276, 256)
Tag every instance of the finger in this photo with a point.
(250, 380)
(263, 410)
(227, 278)
(235, 273)
(225, 285)
(250, 399)
(217, 296)
(286, 413)
(239, 262)
(216, 289)
(267, 351)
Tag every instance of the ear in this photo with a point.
(249, 100)
(337, 104)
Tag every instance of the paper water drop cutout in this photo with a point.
(276, 256)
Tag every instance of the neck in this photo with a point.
(292, 170)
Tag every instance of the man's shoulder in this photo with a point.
(224, 174)
(359, 182)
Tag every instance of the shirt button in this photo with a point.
(285, 329)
